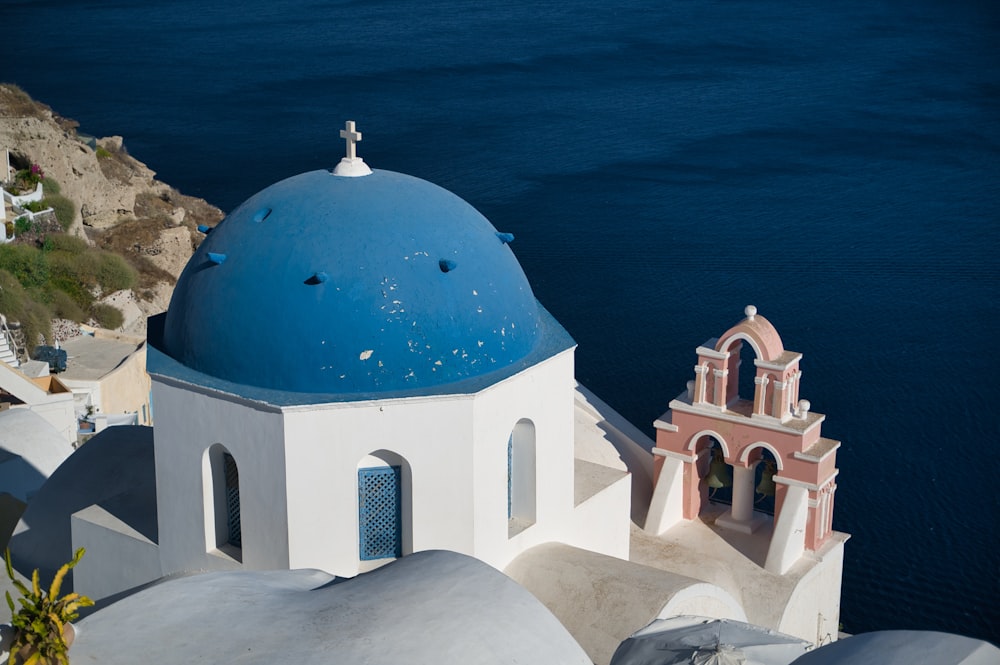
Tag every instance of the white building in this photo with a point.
(365, 354)
(354, 368)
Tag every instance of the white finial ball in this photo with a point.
(690, 389)
(804, 406)
(750, 311)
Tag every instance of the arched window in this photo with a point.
(223, 519)
(521, 478)
(718, 475)
(234, 530)
(385, 513)
(764, 488)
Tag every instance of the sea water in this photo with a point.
(662, 164)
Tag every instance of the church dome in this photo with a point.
(322, 283)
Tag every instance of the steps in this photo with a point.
(8, 351)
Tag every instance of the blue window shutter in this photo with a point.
(234, 528)
(380, 513)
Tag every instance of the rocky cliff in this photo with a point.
(118, 203)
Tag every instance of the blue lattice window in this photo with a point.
(380, 513)
(233, 528)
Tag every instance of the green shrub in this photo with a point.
(102, 153)
(61, 242)
(17, 304)
(107, 316)
(26, 180)
(76, 291)
(83, 267)
(52, 187)
(65, 307)
(36, 323)
(34, 206)
(22, 225)
(74, 274)
(26, 263)
(65, 210)
(12, 296)
(114, 273)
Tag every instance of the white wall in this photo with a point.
(188, 424)
(326, 443)
(118, 558)
(543, 394)
(298, 474)
(813, 611)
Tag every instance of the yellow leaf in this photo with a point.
(57, 621)
(57, 581)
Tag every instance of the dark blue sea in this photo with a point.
(663, 163)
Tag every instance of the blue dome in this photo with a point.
(351, 285)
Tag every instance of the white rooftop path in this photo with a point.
(603, 600)
(595, 426)
(735, 562)
(90, 358)
(431, 607)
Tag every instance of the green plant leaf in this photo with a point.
(40, 621)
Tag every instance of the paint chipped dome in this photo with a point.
(352, 285)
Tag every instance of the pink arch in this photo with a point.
(693, 441)
(745, 455)
(761, 335)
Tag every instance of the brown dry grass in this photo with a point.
(16, 103)
(136, 240)
(115, 163)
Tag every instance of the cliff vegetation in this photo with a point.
(116, 241)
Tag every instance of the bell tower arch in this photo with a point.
(774, 419)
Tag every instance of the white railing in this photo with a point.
(21, 199)
(9, 337)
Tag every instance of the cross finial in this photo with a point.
(351, 165)
(352, 137)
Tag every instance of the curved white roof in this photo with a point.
(430, 607)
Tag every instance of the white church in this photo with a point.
(353, 369)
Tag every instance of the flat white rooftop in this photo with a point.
(91, 358)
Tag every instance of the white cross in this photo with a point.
(352, 137)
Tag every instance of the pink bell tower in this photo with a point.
(711, 413)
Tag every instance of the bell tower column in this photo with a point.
(741, 516)
(719, 398)
(760, 390)
(699, 383)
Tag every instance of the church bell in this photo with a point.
(718, 472)
(766, 485)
